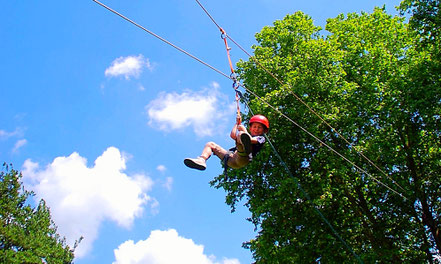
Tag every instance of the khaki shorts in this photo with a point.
(235, 160)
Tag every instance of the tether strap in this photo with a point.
(224, 37)
(233, 74)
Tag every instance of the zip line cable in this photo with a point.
(323, 143)
(278, 111)
(298, 98)
(360, 153)
(251, 92)
(308, 198)
(299, 186)
(162, 39)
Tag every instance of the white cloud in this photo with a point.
(18, 132)
(20, 143)
(154, 206)
(161, 168)
(168, 183)
(81, 198)
(130, 66)
(205, 111)
(4, 134)
(141, 88)
(165, 247)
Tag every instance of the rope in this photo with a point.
(275, 151)
(306, 195)
(224, 36)
(251, 92)
(323, 143)
(163, 40)
(235, 87)
(208, 14)
(233, 74)
(360, 153)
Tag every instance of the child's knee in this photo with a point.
(216, 149)
(211, 145)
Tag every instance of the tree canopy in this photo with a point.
(27, 234)
(371, 78)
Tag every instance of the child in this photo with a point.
(247, 146)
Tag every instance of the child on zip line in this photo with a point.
(247, 145)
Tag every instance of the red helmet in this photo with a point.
(260, 119)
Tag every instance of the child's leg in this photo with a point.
(243, 139)
(243, 142)
(237, 161)
(199, 162)
(211, 148)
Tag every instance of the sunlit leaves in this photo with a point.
(27, 234)
(367, 77)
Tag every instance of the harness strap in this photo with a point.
(242, 153)
(224, 37)
(225, 161)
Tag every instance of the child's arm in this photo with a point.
(237, 127)
(257, 140)
(234, 132)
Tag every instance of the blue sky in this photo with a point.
(99, 115)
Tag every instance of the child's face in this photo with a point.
(256, 129)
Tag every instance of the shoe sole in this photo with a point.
(246, 142)
(191, 164)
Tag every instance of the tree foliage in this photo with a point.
(27, 234)
(367, 77)
(425, 17)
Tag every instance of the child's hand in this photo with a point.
(238, 119)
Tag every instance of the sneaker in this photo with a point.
(245, 139)
(197, 163)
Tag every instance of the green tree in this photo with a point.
(425, 17)
(364, 77)
(27, 234)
